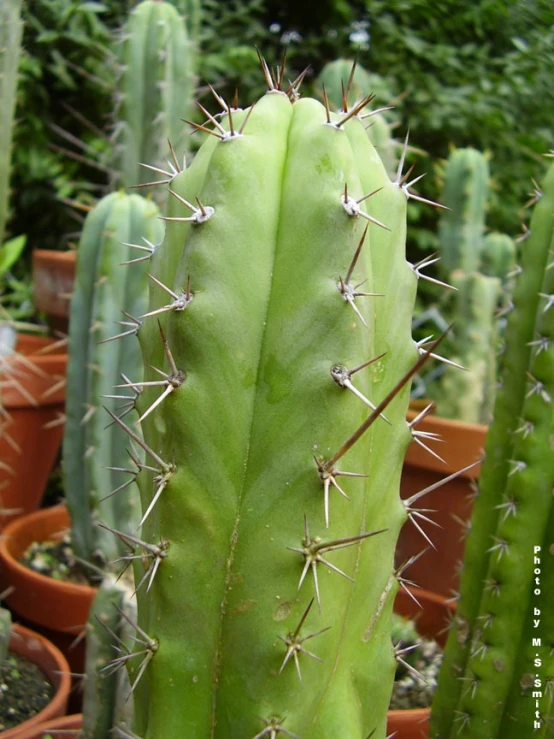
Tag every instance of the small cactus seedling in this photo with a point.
(277, 358)
(97, 461)
(498, 669)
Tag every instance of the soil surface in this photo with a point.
(410, 690)
(24, 691)
(56, 559)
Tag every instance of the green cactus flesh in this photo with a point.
(155, 93)
(461, 228)
(246, 491)
(487, 685)
(104, 289)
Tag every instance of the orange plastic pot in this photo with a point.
(53, 664)
(53, 281)
(58, 728)
(432, 621)
(32, 390)
(56, 605)
(462, 444)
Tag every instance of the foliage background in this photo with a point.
(467, 73)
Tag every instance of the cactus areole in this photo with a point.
(274, 445)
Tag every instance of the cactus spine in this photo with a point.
(11, 29)
(154, 94)
(491, 663)
(93, 454)
(478, 266)
(269, 597)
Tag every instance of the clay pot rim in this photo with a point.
(8, 536)
(64, 723)
(61, 673)
(52, 255)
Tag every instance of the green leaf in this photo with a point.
(10, 252)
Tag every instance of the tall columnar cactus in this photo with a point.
(11, 29)
(498, 669)
(275, 433)
(479, 267)
(154, 93)
(94, 453)
(346, 81)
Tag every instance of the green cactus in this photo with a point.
(11, 29)
(479, 267)
(154, 93)
(496, 680)
(462, 227)
(5, 633)
(265, 595)
(107, 701)
(94, 453)
(346, 79)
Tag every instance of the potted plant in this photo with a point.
(480, 268)
(21, 645)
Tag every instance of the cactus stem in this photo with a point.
(155, 552)
(295, 643)
(125, 733)
(164, 465)
(179, 303)
(273, 726)
(91, 410)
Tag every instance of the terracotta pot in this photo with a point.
(58, 728)
(53, 604)
(463, 443)
(32, 397)
(53, 279)
(53, 664)
(432, 622)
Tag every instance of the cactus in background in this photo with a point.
(479, 267)
(11, 29)
(265, 559)
(5, 633)
(154, 93)
(498, 669)
(107, 702)
(345, 83)
(96, 457)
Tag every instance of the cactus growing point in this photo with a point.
(278, 332)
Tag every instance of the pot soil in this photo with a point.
(53, 280)
(37, 650)
(432, 621)
(59, 728)
(32, 399)
(451, 504)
